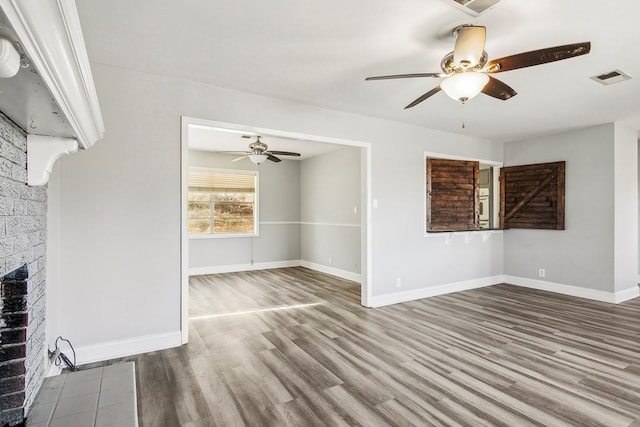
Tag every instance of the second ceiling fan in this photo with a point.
(259, 152)
(466, 71)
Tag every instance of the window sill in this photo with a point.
(221, 236)
(467, 234)
(482, 230)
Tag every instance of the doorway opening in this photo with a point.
(269, 234)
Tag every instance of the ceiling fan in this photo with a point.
(466, 71)
(259, 152)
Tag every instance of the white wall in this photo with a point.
(53, 260)
(582, 255)
(625, 208)
(120, 206)
(279, 217)
(330, 186)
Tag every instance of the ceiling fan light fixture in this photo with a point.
(257, 158)
(464, 86)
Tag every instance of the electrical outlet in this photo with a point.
(541, 272)
(330, 260)
(355, 210)
(398, 282)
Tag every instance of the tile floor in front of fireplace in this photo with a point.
(103, 396)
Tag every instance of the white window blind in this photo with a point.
(222, 202)
(217, 181)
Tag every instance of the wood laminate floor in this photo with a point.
(500, 355)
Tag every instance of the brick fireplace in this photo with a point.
(13, 344)
(22, 285)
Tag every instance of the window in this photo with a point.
(466, 195)
(461, 195)
(222, 203)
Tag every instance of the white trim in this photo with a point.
(234, 268)
(454, 157)
(244, 129)
(575, 291)
(127, 347)
(432, 291)
(626, 294)
(50, 33)
(468, 235)
(366, 233)
(54, 370)
(329, 224)
(42, 153)
(366, 193)
(222, 236)
(184, 234)
(279, 222)
(344, 274)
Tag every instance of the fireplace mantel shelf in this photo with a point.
(49, 33)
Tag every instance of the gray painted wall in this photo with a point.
(582, 254)
(625, 207)
(401, 249)
(120, 203)
(330, 187)
(279, 201)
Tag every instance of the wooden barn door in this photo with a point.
(532, 196)
(452, 195)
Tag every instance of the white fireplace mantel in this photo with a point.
(49, 32)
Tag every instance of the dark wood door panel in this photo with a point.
(532, 196)
(452, 195)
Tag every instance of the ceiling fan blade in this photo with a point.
(284, 153)
(273, 158)
(239, 158)
(498, 89)
(404, 76)
(469, 45)
(537, 57)
(423, 97)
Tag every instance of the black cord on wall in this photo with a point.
(58, 357)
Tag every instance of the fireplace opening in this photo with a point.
(14, 322)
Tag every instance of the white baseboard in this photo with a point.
(432, 291)
(127, 347)
(234, 268)
(627, 294)
(344, 274)
(53, 370)
(575, 291)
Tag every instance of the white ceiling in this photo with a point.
(204, 138)
(319, 52)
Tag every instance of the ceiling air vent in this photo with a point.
(611, 77)
(475, 7)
